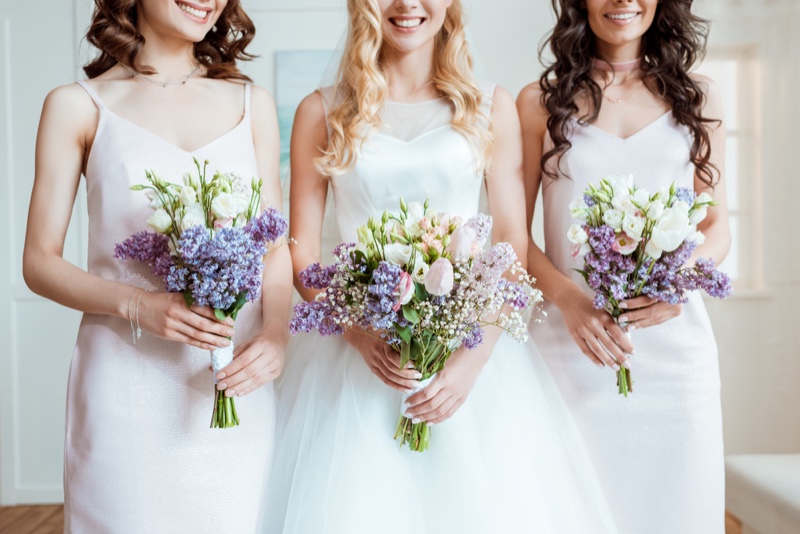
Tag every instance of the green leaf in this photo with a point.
(404, 332)
(405, 353)
(411, 314)
(220, 314)
(187, 296)
(421, 292)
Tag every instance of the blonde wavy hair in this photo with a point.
(361, 88)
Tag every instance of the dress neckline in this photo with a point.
(640, 131)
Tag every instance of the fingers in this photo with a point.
(208, 313)
(600, 352)
(392, 378)
(448, 410)
(424, 395)
(616, 352)
(658, 313)
(198, 337)
(587, 350)
(250, 370)
(211, 326)
(436, 409)
(635, 303)
(426, 401)
(392, 362)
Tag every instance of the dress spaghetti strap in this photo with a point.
(92, 94)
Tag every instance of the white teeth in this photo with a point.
(408, 23)
(192, 11)
(621, 16)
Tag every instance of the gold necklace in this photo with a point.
(620, 99)
(159, 83)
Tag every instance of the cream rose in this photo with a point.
(613, 218)
(633, 225)
(160, 221)
(397, 253)
(576, 234)
(224, 206)
(193, 216)
(672, 228)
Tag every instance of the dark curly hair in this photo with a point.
(671, 46)
(113, 31)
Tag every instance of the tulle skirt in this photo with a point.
(509, 461)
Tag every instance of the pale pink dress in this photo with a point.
(658, 453)
(139, 454)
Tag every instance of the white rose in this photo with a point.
(633, 225)
(224, 206)
(655, 210)
(242, 202)
(193, 216)
(652, 250)
(160, 221)
(576, 234)
(698, 214)
(578, 209)
(416, 212)
(613, 218)
(397, 253)
(672, 228)
(188, 196)
(620, 184)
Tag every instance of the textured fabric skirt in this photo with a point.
(509, 461)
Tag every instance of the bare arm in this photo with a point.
(593, 331)
(307, 199)
(66, 130)
(260, 360)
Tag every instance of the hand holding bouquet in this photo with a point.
(208, 242)
(422, 281)
(636, 243)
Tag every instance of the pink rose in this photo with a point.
(439, 280)
(223, 223)
(404, 290)
(462, 244)
(431, 241)
(624, 244)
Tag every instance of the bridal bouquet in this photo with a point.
(423, 282)
(208, 242)
(636, 243)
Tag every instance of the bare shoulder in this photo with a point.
(311, 111)
(502, 101)
(529, 100)
(712, 108)
(71, 108)
(262, 101)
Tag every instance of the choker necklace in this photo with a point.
(620, 66)
(159, 83)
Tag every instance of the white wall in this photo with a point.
(757, 333)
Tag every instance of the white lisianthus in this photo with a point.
(578, 209)
(613, 218)
(397, 253)
(188, 196)
(155, 202)
(652, 250)
(698, 214)
(641, 198)
(698, 237)
(620, 184)
(420, 270)
(703, 198)
(672, 228)
(655, 210)
(416, 212)
(633, 225)
(364, 235)
(224, 206)
(623, 203)
(242, 202)
(576, 234)
(160, 221)
(193, 216)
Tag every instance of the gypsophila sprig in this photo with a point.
(635, 243)
(423, 282)
(207, 241)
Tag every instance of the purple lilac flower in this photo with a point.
(481, 224)
(267, 227)
(589, 200)
(516, 296)
(601, 238)
(474, 337)
(307, 317)
(315, 276)
(380, 296)
(342, 252)
(685, 194)
(143, 246)
(495, 261)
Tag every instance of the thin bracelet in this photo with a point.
(130, 314)
(138, 328)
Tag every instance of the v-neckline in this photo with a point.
(628, 138)
(170, 143)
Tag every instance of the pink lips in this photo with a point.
(192, 17)
(401, 29)
(623, 22)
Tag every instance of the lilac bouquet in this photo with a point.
(421, 281)
(208, 242)
(634, 243)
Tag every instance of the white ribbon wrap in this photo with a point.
(422, 385)
(220, 358)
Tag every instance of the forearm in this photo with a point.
(554, 285)
(56, 279)
(716, 246)
(276, 294)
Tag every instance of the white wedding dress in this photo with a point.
(509, 461)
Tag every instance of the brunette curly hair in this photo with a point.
(672, 45)
(113, 31)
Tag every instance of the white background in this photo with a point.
(41, 47)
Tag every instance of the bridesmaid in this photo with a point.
(618, 99)
(140, 456)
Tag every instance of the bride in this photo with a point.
(407, 118)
